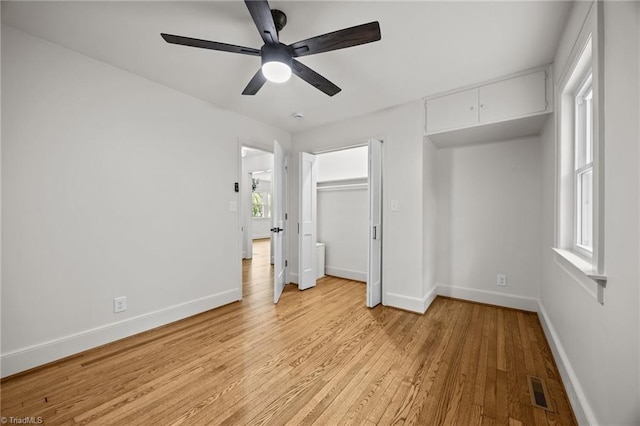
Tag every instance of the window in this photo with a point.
(583, 168)
(579, 227)
(261, 204)
(576, 142)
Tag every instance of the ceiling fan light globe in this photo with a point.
(276, 71)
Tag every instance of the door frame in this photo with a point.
(342, 147)
(240, 175)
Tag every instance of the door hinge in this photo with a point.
(286, 216)
(286, 263)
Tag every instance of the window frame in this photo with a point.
(583, 147)
(586, 53)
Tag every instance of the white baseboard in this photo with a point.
(346, 273)
(407, 303)
(429, 298)
(489, 297)
(32, 356)
(292, 278)
(582, 410)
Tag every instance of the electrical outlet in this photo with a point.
(502, 280)
(119, 304)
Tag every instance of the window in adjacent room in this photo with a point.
(260, 200)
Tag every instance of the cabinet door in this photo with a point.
(513, 98)
(452, 111)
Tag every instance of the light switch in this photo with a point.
(233, 206)
(394, 206)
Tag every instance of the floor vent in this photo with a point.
(539, 394)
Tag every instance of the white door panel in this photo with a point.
(374, 269)
(307, 221)
(278, 232)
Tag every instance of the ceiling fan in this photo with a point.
(278, 58)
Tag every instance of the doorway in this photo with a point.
(343, 212)
(340, 217)
(262, 186)
(257, 198)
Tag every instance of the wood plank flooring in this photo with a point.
(318, 357)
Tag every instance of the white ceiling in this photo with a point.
(426, 48)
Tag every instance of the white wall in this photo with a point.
(401, 130)
(343, 219)
(489, 221)
(111, 186)
(597, 346)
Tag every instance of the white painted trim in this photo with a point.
(42, 353)
(406, 303)
(429, 298)
(344, 187)
(293, 278)
(261, 236)
(582, 410)
(489, 297)
(346, 273)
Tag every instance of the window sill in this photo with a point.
(585, 268)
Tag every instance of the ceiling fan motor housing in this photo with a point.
(276, 53)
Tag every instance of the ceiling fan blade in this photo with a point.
(255, 84)
(206, 44)
(354, 36)
(314, 79)
(261, 14)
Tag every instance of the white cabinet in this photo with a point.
(512, 98)
(453, 111)
(511, 107)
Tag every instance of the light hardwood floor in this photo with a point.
(319, 356)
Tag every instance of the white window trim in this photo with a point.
(588, 264)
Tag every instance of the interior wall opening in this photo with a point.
(343, 213)
(256, 212)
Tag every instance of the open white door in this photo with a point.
(307, 224)
(278, 233)
(374, 273)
